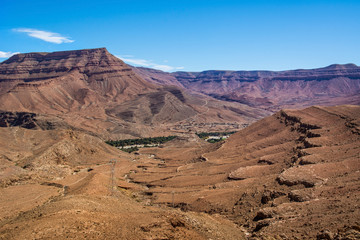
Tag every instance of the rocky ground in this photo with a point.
(66, 184)
(293, 175)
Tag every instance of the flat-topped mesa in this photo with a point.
(67, 81)
(332, 85)
(342, 66)
(39, 66)
(335, 70)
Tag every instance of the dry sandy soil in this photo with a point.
(293, 175)
(59, 184)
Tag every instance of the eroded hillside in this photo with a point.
(97, 92)
(333, 85)
(65, 184)
(272, 90)
(293, 174)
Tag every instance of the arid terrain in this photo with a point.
(333, 85)
(97, 92)
(64, 184)
(292, 173)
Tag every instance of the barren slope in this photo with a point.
(332, 85)
(293, 174)
(95, 91)
(157, 76)
(67, 80)
(66, 184)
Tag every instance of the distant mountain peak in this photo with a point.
(53, 64)
(91, 69)
(41, 56)
(342, 66)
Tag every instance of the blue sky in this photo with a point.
(187, 35)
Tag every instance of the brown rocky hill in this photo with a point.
(64, 183)
(75, 74)
(70, 81)
(332, 85)
(35, 155)
(293, 175)
(157, 76)
(93, 90)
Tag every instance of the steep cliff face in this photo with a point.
(335, 84)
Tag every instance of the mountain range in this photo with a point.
(290, 170)
(332, 85)
(95, 91)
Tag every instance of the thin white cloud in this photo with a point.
(44, 35)
(7, 54)
(149, 64)
(140, 62)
